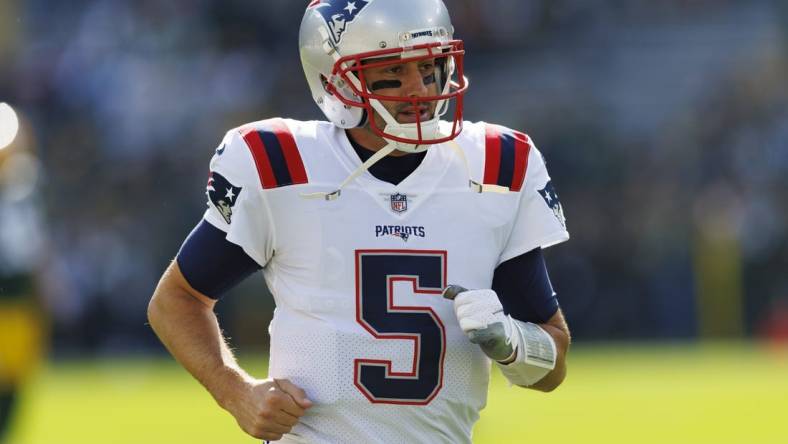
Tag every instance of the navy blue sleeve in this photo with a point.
(212, 264)
(524, 288)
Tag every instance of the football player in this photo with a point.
(359, 225)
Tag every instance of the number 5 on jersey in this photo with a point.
(376, 273)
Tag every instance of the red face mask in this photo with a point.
(448, 62)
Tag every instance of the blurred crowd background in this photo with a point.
(664, 124)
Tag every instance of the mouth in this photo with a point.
(413, 114)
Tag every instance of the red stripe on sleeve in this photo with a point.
(295, 165)
(264, 169)
(521, 151)
(492, 162)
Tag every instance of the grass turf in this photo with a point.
(646, 393)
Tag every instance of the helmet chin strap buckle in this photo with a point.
(328, 197)
(476, 187)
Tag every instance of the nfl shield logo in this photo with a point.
(399, 203)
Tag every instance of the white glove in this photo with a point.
(481, 317)
(525, 353)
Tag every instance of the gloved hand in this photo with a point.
(481, 317)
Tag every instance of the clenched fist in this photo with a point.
(481, 317)
(269, 408)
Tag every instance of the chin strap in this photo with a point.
(383, 152)
(388, 149)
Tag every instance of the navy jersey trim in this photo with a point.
(524, 288)
(506, 170)
(277, 158)
(211, 264)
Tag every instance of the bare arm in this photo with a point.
(184, 321)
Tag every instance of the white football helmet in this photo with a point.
(337, 35)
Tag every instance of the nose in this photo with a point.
(413, 82)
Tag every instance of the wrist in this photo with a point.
(229, 385)
(536, 358)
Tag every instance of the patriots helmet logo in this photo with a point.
(550, 197)
(222, 194)
(338, 14)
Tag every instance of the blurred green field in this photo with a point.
(734, 393)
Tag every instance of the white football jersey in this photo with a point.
(359, 322)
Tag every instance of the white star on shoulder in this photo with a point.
(230, 195)
(351, 6)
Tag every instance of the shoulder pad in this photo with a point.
(506, 157)
(275, 153)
